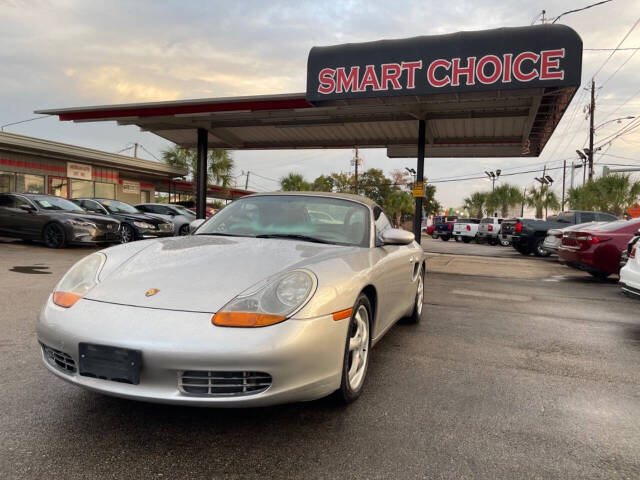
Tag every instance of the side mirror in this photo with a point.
(193, 226)
(27, 208)
(397, 236)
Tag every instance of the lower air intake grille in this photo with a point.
(223, 384)
(59, 360)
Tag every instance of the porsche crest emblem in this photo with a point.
(151, 292)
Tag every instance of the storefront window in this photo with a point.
(59, 186)
(105, 190)
(81, 188)
(26, 183)
(7, 182)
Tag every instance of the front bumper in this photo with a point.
(303, 357)
(89, 235)
(145, 233)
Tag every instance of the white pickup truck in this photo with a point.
(465, 229)
(489, 231)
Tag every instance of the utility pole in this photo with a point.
(564, 180)
(592, 109)
(246, 183)
(135, 150)
(355, 162)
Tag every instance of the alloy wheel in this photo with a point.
(358, 348)
(54, 236)
(126, 234)
(420, 293)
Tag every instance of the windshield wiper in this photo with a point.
(294, 236)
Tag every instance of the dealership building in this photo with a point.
(34, 165)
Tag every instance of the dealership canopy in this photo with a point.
(493, 93)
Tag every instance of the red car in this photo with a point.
(597, 249)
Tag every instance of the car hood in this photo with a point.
(202, 273)
(139, 217)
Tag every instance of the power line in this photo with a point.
(611, 49)
(23, 121)
(617, 46)
(579, 10)
(618, 69)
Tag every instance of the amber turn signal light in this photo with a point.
(65, 299)
(245, 319)
(342, 314)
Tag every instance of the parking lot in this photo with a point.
(520, 368)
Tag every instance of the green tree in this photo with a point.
(374, 184)
(324, 183)
(398, 203)
(220, 163)
(342, 182)
(613, 193)
(503, 198)
(294, 182)
(430, 205)
(542, 199)
(475, 204)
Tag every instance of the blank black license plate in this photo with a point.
(110, 363)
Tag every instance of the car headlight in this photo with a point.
(81, 223)
(80, 278)
(268, 302)
(146, 225)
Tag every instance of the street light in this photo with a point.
(619, 120)
(493, 176)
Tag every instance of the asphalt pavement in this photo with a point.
(505, 377)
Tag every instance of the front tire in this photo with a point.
(504, 242)
(458, 239)
(356, 351)
(127, 234)
(54, 236)
(466, 239)
(523, 249)
(184, 230)
(416, 314)
(445, 238)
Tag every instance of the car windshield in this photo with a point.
(56, 203)
(300, 217)
(114, 206)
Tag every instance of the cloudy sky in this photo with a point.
(81, 52)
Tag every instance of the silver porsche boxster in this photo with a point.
(277, 298)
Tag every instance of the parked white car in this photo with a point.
(489, 230)
(553, 239)
(466, 229)
(630, 273)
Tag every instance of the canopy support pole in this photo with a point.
(417, 217)
(201, 173)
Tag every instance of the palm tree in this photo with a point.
(542, 198)
(475, 204)
(294, 182)
(503, 198)
(398, 203)
(613, 193)
(219, 160)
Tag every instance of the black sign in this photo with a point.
(505, 58)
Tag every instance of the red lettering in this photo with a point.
(506, 71)
(327, 83)
(497, 69)
(411, 67)
(390, 73)
(344, 83)
(369, 79)
(468, 71)
(517, 67)
(431, 73)
(551, 60)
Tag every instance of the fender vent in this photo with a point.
(59, 360)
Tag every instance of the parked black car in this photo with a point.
(135, 224)
(527, 235)
(53, 220)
